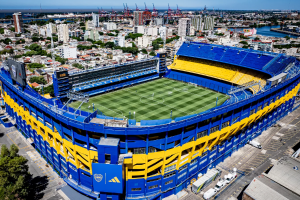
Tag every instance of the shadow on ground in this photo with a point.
(37, 186)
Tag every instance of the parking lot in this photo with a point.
(250, 161)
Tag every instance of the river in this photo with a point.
(266, 31)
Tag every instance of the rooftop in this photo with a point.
(263, 188)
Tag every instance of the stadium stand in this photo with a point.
(222, 71)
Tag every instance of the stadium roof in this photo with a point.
(266, 62)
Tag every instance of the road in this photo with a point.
(44, 180)
(276, 142)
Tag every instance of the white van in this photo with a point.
(210, 193)
(255, 144)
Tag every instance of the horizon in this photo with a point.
(188, 4)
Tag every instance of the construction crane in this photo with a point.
(178, 12)
(169, 11)
(146, 9)
(154, 12)
(136, 8)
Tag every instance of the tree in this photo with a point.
(152, 53)
(1, 30)
(244, 42)
(35, 65)
(133, 35)
(287, 37)
(38, 79)
(257, 38)
(109, 44)
(14, 175)
(6, 41)
(49, 90)
(77, 65)
(144, 51)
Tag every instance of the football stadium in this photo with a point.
(159, 99)
(144, 130)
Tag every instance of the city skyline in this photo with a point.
(188, 4)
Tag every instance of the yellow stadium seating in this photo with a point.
(226, 72)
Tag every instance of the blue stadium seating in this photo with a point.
(237, 56)
(279, 65)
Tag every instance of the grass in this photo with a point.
(155, 100)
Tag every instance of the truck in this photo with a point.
(209, 193)
(255, 144)
(205, 180)
(229, 177)
(220, 184)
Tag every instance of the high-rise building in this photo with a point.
(51, 28)
(89, 25)
(95, 20)
(205, 23)
(184, 27)
(138, 18)
(209, 23)
(63, 32)
(121, 40)
(91, 34)
(197, 22)
(18, 22)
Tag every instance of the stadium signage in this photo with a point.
(98, 177)
(14, 71)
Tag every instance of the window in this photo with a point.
(201, 134)
(214, 129)
(225, 124)
(169, 182)
(214, 148)
(271, 101)
(85, 174)
(252, 111)
(182, 168)
(277, 97)
(139, 151)
(107, 157)
(153, 186)
(170, 168)
(151, 150)
(169, 175)
(157, 179)
(259, 108)
(194, 161)
(265, 104)
(235, 120)
(204, 154)
(136, 189)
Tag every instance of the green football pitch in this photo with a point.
(154, 100)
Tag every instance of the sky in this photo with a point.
(183, 4)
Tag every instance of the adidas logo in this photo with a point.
(114, 180)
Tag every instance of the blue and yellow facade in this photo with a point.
(157, 161)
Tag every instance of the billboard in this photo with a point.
(17, 71)
(62, 74)
(108, 178)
